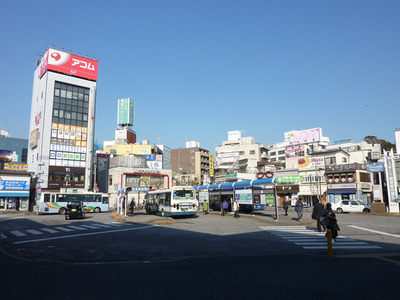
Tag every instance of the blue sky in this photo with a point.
(198, 69)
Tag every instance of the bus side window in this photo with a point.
(105, 200)
(168, 199)
(162, 199)
(46, 198)
(53, 198)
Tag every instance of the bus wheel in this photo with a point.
(97, 210)
(62, 211)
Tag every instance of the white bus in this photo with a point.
(55, 202)
(177, 201)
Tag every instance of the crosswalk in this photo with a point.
(59, 229)
(309, 238)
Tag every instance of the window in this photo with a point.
(281, 152)
(365, 177)
(252, 152)
(241, 152)
(272, 153)
(344, 160)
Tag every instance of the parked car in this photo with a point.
(350, 206)
(75, 210)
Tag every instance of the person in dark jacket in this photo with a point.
(286, 205)
(330, 221)
(316, 215)
(299, 209)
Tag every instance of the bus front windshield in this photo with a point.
(183, 194)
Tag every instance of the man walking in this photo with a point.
(224, 207)
(299, 209)
(317, 213)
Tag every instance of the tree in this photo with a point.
(387, 146)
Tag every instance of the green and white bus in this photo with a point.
(177, 201)
(55, 202)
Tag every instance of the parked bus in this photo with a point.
(177, 201)
(55, 202)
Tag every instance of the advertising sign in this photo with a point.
(376, 167)
(7, 185)
(211, 165)
(15, 167)
(244, 197)
(70, 64)
(310, 163)
(125, 112)
(294, 151)
(305, 136)
(6, 155)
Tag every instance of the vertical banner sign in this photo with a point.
(211, 165)
(391, 181)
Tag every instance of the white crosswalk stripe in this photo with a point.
(18, 233)
(49, 230)
(63, 229)
(33, 231)
(310, 239)
(60, 229)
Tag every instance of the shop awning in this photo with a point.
(341, 191)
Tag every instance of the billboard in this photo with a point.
(311, 163)
(6, 155)
(305, 136)
(294, 151)
(126, 110)
(70, 64)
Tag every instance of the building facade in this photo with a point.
(190, 165)
(60, 152)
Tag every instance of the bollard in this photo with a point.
(329, 242)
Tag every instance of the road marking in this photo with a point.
(104, 225)
(63, 229)
(77, 227)
(3, 236)
(17, 233)
(375, 231)
(83, 234)
(311, 239)
(35, 232)
(49, 230)
(90, 226)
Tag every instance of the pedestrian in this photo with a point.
(330, 221)
(286, 204)
(205, 207)
(236, 208)
(224, 207)
(299, 209)
(316, 215)
(132, 205)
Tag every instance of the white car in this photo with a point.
(350, 206)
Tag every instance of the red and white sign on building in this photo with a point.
(70, 64)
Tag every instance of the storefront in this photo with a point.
(287, 192)
(339, 192)
(14, 191)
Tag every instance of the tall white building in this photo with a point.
(62, 121)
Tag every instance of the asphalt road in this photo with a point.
(207, 256)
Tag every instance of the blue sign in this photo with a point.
(12, 185)
(376, 167)
(150, 157)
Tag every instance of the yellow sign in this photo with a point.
(211, 165)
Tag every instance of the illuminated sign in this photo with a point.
(68, 64)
